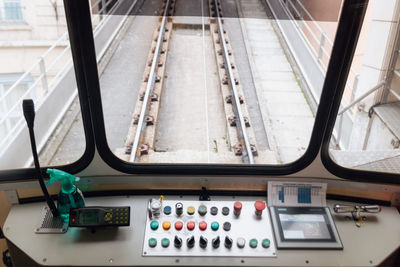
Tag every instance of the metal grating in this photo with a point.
(390, 115)
(50, 225)
(384, 165)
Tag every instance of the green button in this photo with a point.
(202, 210)
(165, 242)
(154, 225)
(214, 226)
(266, 243)
(253, 243)
(152, 242)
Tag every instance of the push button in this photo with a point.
(227, 226)
(237, 208)
(154, 225)
(167, 210)
(152, 242)
(225, 211)
(190, 225)
(202, 226)
(253, 243)
(241, 242)
(202, 210)
(266, 243)
(191, 210)
(214, 211)
(178, 225)
(165, 242)
(260, 206)
(166, 225)
(214, 226)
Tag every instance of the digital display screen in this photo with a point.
(304, 226)
(89, 217)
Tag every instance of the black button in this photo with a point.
(214, 211)
(177, 242)
(225, 211)
(228, 242)
(190, 242)
(227, 226)
(203, 242)
(215, 242)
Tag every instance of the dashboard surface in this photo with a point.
(368, 245)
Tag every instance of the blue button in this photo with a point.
(167, 210)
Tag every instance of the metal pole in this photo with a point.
(43, 76)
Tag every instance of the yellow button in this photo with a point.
(166, 225)
(190, 210)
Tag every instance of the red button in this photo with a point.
(190, 226)
(237, 206)
(178, 225)
(203, 226)
(259, 205)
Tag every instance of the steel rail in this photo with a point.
(141, 126)
(247, 154)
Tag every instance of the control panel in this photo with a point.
(207, 228)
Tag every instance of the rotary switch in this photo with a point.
(178, 209)
(177, 242)
(228, 242)
(190, 242)
(215, 242)
(203, 242)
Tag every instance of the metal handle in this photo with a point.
(366, 208)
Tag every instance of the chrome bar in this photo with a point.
(141, 126)
(373, 89)
(241, 128)
(395, 94)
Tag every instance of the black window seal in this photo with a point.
(328, 162)
(25, 174)
(348, 27)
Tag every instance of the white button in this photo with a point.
(241, 242)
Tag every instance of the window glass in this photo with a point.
(367, 133)
(36, 64)
(172, 92)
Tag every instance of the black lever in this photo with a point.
(29, 114)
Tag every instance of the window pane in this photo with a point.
(367, 129)
(36, 64)
(13, 10)
(273, 62)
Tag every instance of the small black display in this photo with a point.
(89, 217)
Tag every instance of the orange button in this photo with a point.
(203, 226)
(166, 225)
(190, 226)
(178, 225)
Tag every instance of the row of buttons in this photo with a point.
(202, 210)
(203, 242)
(189, 225)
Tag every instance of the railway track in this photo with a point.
(143, 130)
